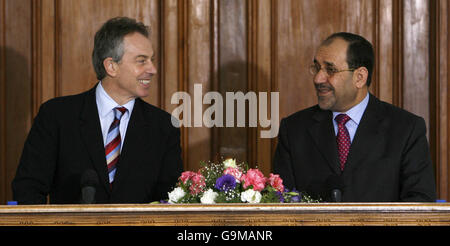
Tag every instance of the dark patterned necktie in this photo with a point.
(342, 139)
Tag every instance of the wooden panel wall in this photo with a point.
(16, 96)
(225, 45)
(439, 81)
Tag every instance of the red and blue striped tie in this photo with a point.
(112, 148)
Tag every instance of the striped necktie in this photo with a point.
(113, 143)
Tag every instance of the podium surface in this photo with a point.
(317, 214)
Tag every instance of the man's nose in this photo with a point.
(151, 68)
(320, 77)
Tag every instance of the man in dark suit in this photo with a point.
(107, 138)
(352, 144)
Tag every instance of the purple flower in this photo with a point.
(295, 198)
(225, 183)
(290, 197)
(280, 196)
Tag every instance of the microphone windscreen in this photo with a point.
(89, 178)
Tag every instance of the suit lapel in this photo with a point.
(322, 131)
(91, 134)
(368, 134)
(135, 146)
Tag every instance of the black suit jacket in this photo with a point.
(66, 140)
(389, 158)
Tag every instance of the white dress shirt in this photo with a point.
(355, 114)
(105, 106)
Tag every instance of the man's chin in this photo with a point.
(325, 103)
(143, 95)
(143, 92)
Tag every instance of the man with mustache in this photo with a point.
(351, 143)
(107, 138)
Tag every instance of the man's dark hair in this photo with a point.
(108, 41)
(359, 52)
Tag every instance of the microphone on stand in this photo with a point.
(336, 195)
(89, 182)
(335, 185)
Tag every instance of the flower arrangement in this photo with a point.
(232, 182)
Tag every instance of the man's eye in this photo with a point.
(142, 61)
(316, 68)
(331, 70)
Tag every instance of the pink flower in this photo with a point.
(234, 172)
(198, 184)
(276, 182)
(255, 178)
(185, 176)
(197, 181)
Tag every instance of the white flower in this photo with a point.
(208, 197)
(251, 196)
(176, 195)
(229, 163)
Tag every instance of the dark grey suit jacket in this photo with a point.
(66, 140)
(389, 158)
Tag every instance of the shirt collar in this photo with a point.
(357, 111)
(106, 104)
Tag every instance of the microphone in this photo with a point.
(335, 184)
(89, 182)
(336, 195)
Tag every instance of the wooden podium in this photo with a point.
(319, 214)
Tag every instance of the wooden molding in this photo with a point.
(3, 182)
(328, 214)
(397, 63)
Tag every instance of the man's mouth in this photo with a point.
(144, 81)
(323, 89)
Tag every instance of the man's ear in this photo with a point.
(111, 67)
(360, 77)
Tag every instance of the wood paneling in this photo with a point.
(232, 74)
(17, 91)
(416, 57)
(199, 73)
(385, 32)
(440, 94)
(261, 81)
(225, 46)
(3, 164)
(44, 56)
